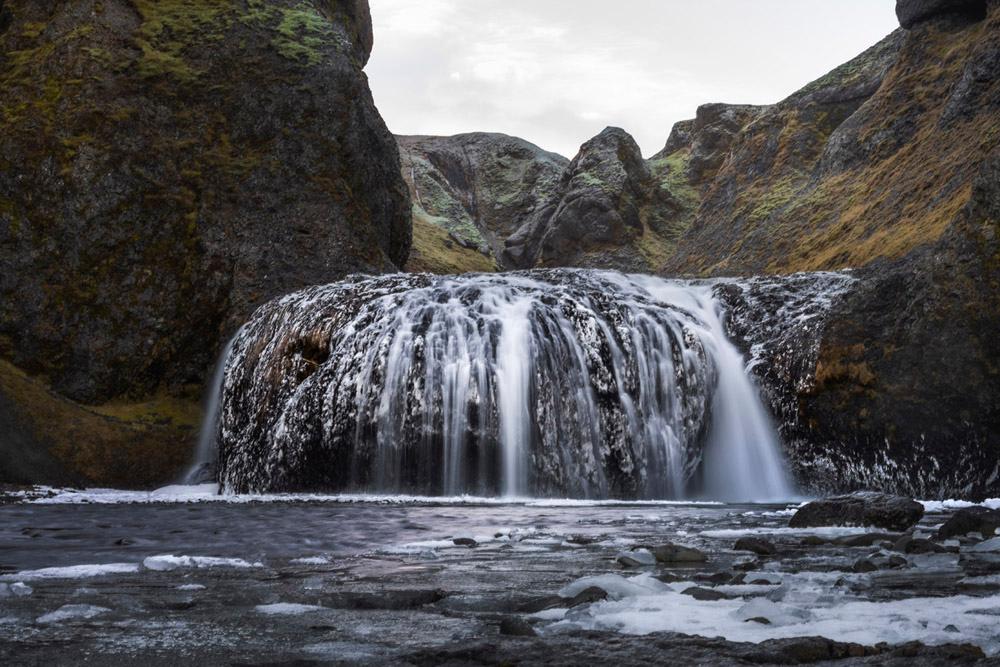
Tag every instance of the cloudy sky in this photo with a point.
(556, 72)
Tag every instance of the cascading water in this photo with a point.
(203, 469)
(558, 382)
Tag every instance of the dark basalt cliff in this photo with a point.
(167, 166)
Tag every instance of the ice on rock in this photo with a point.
(72, 612)
(17, 589)
(167, 562)
(72, 572)
(989, 546)
(287, 609)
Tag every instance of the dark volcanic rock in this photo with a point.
(862, 508)
(970, 520)
(167, 167)
(912, 12)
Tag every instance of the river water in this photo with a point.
(184, 575)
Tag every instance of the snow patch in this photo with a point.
(287, 609)
(72, 572)
(72, 612)
(167, 562)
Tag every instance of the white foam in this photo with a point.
(72, 572)
(191, 587)
(209, 493)
(167, 562)
(17, 589)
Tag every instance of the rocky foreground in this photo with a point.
(432, 583)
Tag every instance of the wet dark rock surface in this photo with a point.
(368, 583)
(862, 508)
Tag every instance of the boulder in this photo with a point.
(862, 508)
(676, 553)
(757, 545)
(912, 12)
(191, 165)
(970, 520)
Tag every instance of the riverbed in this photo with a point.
(186, 576)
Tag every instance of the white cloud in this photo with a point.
(556, 72)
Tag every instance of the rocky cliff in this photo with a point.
(886, 165)
(479, 188)
(167, 166)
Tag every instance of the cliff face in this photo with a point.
(167, 166)
(479, 188)
(887, 165)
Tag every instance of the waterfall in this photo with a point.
(203, 469)
(574, 383)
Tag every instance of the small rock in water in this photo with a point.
(588, 595)
(512, 626)
(970, 520)
(950, 628)
(758, 619)
(465, 542)
(746, 565)
(864, 565)
(911, 545)
(717, 578)
(757, 545)
(861, 508)
(865, 540)
(676, 553)
(704, 594)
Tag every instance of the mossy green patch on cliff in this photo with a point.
(434, 252)
(120, 445)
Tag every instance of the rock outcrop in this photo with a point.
(165, 167)
(912, 12)
(480, 188)
(599, 215)
(863, 508)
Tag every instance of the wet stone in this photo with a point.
(757, 545)
(514, 626)
(676, 553)
(705, 594)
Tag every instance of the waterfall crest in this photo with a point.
(553, 382)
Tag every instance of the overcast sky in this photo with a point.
(556, 72)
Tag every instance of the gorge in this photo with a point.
(278, 386)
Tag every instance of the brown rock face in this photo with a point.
(165, 167)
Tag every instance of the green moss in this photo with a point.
(671, 173)
(774, 198)
(434, 252)
(170, 27)
(302, 32)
